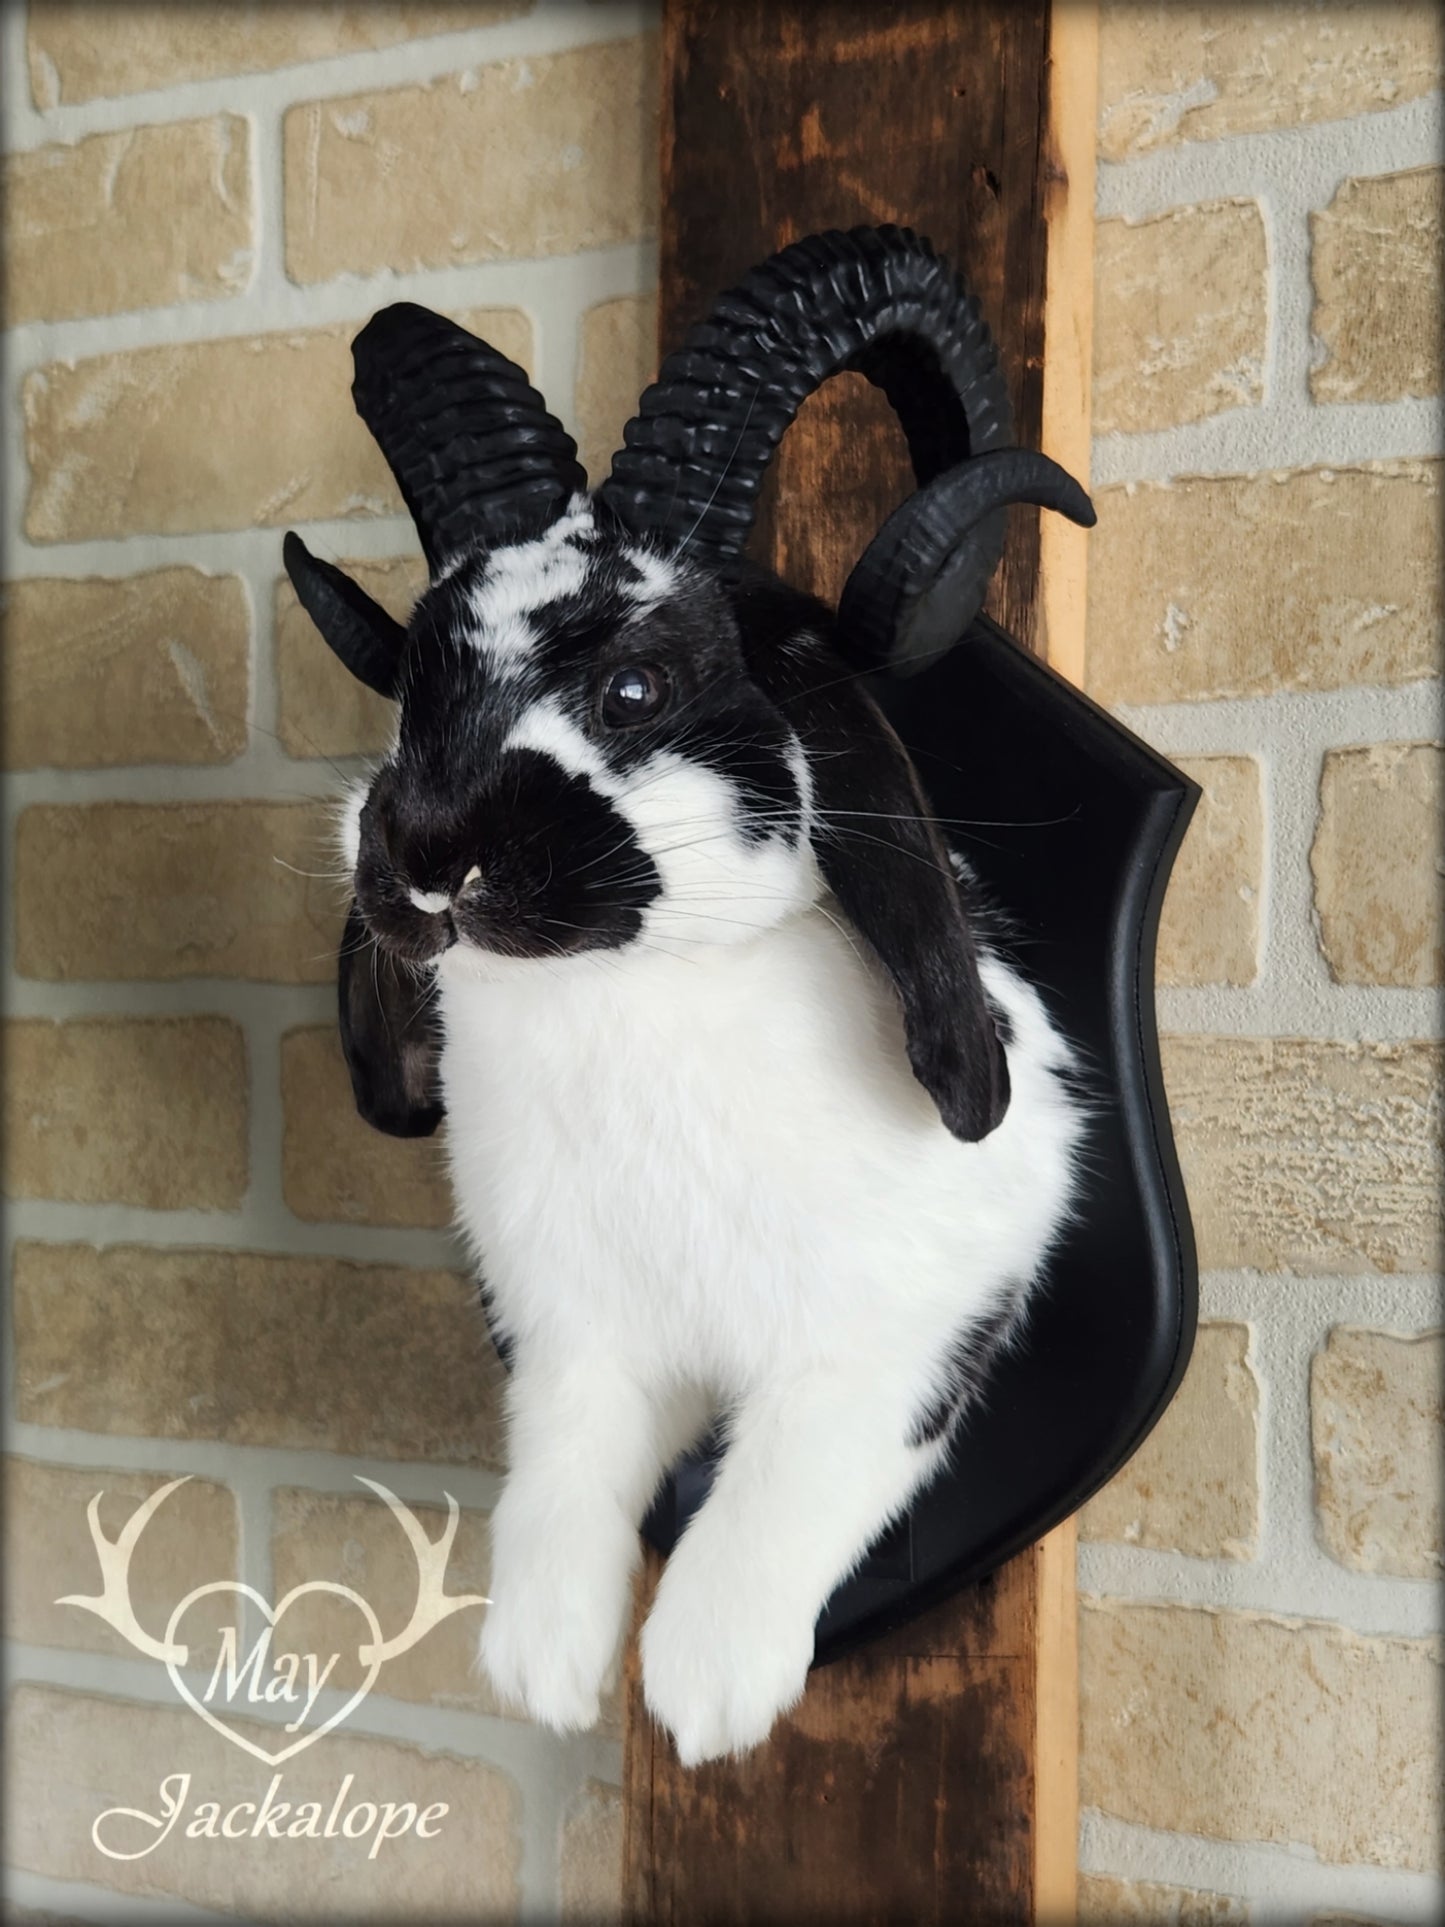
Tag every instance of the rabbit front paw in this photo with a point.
(550, 1639)
(719, 1667)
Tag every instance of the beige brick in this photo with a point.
(617, 358)
(145, 1111)
(591, 1856)
(335, 1167)
(1306, 1156)
(136, 219)
(1216, 1723)
(190, 1540)
(322, 709)
(1209, 930)
(111, 891)
(1375, 255)
(141, 669)
(521, 158)
(256, 430)
(82, 49)
(1106, 1902)
(1193, 1486)
(1378, 1426)
(356, 1542)
(1174, 73)
(1241, 585)
(76, 1756)
(1376, 864)
(309, 1353)
(1181, 311)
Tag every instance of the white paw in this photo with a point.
(719, 1666)
(551, 1636)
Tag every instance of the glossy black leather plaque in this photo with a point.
(1074, 828)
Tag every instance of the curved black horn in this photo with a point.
(366, 638)
(876, 300)
(470, 442)
(921, 581)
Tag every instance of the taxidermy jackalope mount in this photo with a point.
(752, 1121)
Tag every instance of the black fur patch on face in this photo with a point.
(560, 867)
(558, 870)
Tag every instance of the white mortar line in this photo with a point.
(54, 1221)
(1248, 441)
(1298, 1588)
(1300, 167)
(256, 1469)
(273, 304)
(555, 26)
(1285, 1884)
(1403, 1301)
(220, 552)
(1325, 718)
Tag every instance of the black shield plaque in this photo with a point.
(1071, 824)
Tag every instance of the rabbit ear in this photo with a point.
(882, 857)
(390, 1034)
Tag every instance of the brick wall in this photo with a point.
(1260, 1671)
(213, 1267)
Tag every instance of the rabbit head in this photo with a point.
(612, 729)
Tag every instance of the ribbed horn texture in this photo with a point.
(474, 451)
(875, 300)
(921, 579)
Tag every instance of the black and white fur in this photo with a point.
(746, 1120)
(716, 1046)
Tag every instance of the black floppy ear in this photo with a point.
(390, 1034)
(882, 857)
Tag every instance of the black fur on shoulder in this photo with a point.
(881, 853)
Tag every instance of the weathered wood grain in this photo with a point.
(783, 119)
(907, 1785)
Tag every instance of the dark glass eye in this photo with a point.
(634, 695)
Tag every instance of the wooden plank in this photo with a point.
(1071, 135)
(900, 1789)
(932, 1776)
(783, 119)
(1069, 317)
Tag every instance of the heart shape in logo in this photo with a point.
(272, 1614)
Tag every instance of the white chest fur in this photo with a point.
(717, 1162)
